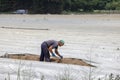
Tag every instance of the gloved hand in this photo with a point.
(53, 55)
(61, 57)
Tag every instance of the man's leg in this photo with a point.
(47, 56)
(44, 53)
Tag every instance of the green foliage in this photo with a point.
(114, 5)
(58, 6)
(4, 6)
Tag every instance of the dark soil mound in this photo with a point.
(34, 57)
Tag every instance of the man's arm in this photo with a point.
(50, 49)
(56, 51)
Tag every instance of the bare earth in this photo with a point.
(56, 60)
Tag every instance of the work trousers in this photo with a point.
(45, 56)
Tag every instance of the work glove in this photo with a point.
(53, 55)
(61, 57)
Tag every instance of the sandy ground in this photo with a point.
(93, 38)
(84, 29)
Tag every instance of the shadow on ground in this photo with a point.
(34, 57)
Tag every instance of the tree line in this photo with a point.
(58, 6)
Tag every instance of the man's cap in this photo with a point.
(62, 41)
